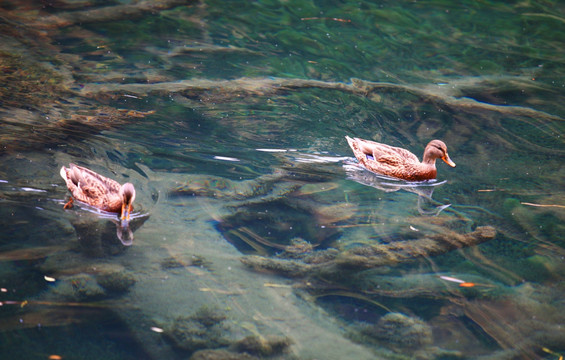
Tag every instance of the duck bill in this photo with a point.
(126, 211)
(448, 160)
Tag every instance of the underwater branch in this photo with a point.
(110, 13)
(448, 94)
(370, 256)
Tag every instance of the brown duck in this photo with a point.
(397, 162)
(96, 190)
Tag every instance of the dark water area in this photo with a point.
(255, 234)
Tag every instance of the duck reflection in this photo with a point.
(101, 233)
(424, 189)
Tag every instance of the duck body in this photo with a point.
(98, 191)
(397, 162)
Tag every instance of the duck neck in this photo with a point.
(427, 171)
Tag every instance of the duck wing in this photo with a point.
(92, 188)
(87, 179)
(388, 153)
(390, 160)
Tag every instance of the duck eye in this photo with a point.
(441, 149)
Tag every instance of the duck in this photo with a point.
(398, 162)
(98, 191)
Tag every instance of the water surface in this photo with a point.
(255, 234)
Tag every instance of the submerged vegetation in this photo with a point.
(230, 117)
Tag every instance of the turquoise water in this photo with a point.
(255, 235)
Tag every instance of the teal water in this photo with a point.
(255, 236)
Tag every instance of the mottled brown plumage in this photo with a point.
(397, 162)
(96, 190)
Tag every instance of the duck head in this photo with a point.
(127, 194)
(436, 149)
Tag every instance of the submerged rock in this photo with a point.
(263, 346)
(405, 337)
(399, 330)
(80, 287)
(116, 282)
(202, 330)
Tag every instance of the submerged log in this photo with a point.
(110, 13)
(365, 257)
(449, 94)
(396, 252)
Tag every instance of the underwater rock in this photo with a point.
(80, 287)
(67, 263)
(263, 346)
(220, 355)
(209, 316)
(202, 330)
(116, 282)
(402, 331)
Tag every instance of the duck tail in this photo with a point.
(63, 173)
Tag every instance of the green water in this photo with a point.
(254, 236)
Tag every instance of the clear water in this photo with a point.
(249, 172)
